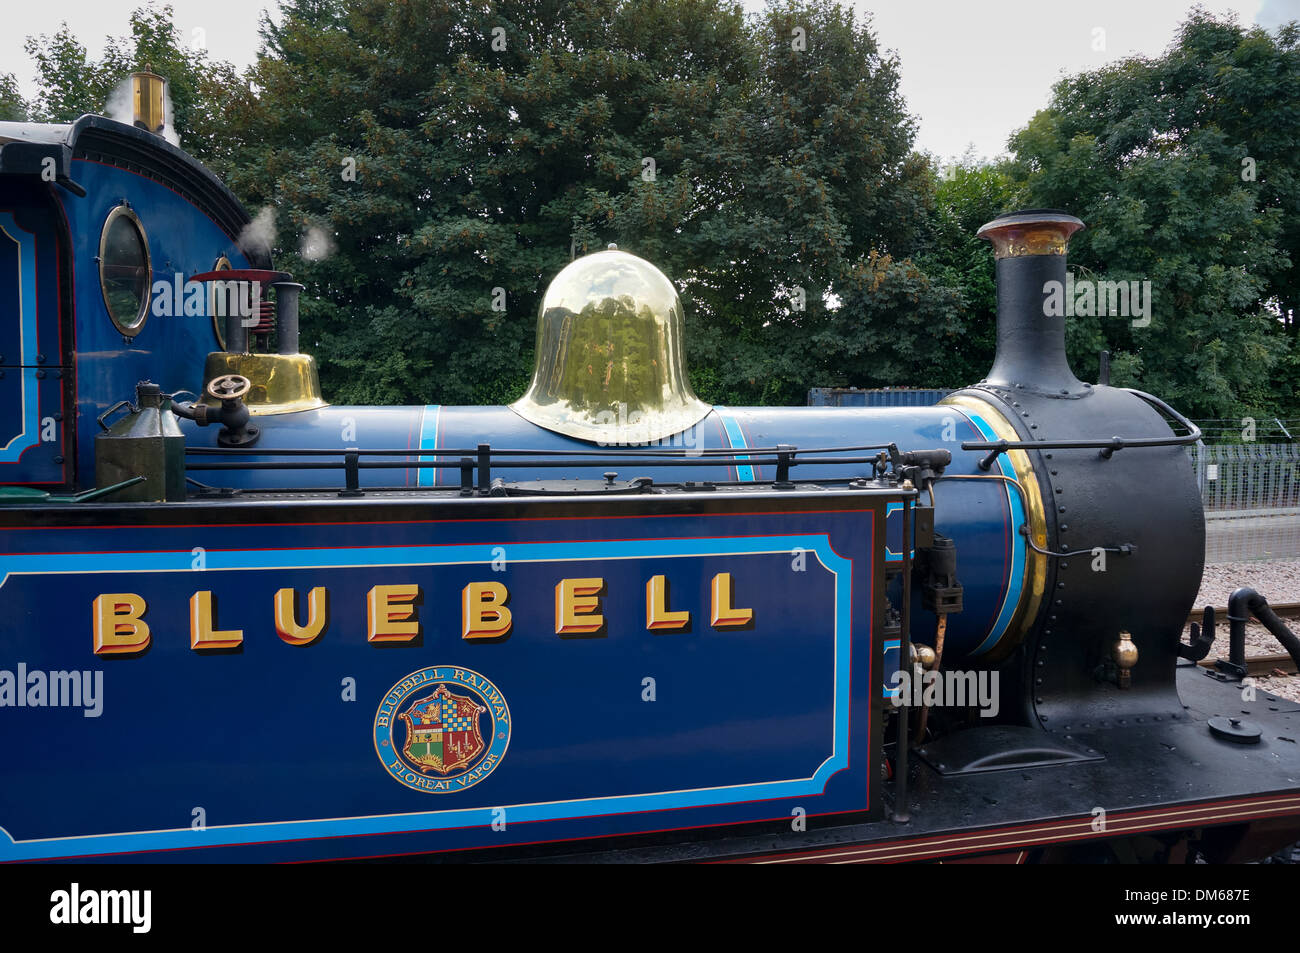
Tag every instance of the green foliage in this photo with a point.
(895, 324)
(72, 85)
(453, 153)
(1153, 155)
(480, 167)
(13, 108)
(967, 195)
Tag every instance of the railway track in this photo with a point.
(1269, 664)
(1287, 610)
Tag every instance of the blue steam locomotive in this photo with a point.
(605, 620)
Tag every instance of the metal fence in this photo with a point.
(874, 397)
(1251, 493)
(1249, 429)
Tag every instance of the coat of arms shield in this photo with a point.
(442, 733)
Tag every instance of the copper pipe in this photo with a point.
(938, 660)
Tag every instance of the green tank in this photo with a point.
(145, 443)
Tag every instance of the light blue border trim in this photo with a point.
(890, 555)
(372, 557)
(735, 441)
(27, 305)
(429, 441)
(896, 646)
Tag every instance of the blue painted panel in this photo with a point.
(169, 349)
(745, 723)
(31, 398)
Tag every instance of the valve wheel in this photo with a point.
(229, 387)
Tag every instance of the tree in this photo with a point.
(815, 177)
(1185, 170)
(428, 166)
(12, 106)
(202, 90)
(459, 155)
(968, 194)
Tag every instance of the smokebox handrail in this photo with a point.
(1107, 446)
(484, 458)
(744, 452)
(516, 465)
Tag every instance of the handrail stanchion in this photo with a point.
(901, 815)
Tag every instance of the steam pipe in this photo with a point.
(286, 315)
(1242, 604)
(236, 326)
(236, 332)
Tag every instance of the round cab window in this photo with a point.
(124, 273)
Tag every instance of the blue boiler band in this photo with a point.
(1016, 580)
(736, 441)
(428, 476)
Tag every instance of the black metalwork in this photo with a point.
(1242, 604)
(1107, 446)
(1202, 638)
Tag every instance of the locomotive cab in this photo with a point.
(101, 224)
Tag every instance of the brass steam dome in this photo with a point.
(609, 365)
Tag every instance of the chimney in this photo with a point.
(1030, 248)
(149, 102)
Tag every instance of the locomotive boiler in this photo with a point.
(607, 620)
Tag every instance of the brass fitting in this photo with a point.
(924, 656)
(1125, 653)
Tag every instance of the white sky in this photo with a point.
(972, 70)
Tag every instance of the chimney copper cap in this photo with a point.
(1032, 231)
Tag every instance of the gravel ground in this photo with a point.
(1279, 582)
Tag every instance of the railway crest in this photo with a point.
(442, 729)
